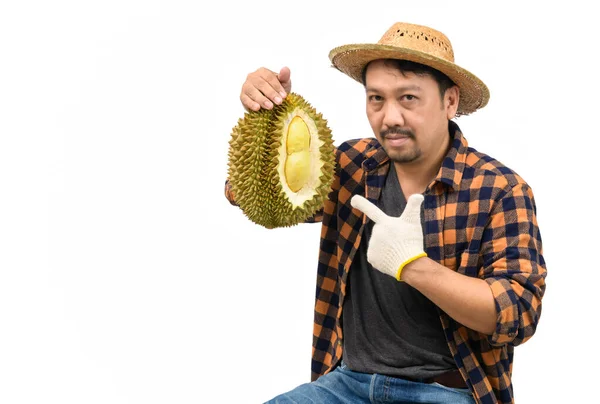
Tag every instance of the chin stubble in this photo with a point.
(408, 157)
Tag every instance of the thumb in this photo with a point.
(412, 211)
(368, 208)
(285, 79)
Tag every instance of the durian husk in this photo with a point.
(254, 160)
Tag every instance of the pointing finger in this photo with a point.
(368, 208)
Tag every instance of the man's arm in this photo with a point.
(505, 302)
(467, 300)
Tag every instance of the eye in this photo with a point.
(409, 97)
(375, 98)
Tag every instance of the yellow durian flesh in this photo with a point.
(298, 136)
(297, 170)
(297, 163)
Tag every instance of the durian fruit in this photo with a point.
(281, 163)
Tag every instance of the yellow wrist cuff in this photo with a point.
(408, 261)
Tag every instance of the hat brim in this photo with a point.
(352, 59)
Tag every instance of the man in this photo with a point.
(430, 269)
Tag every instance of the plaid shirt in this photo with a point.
(479, 221)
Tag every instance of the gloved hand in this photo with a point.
(395, 241)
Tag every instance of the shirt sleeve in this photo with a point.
(514, 267)
(229, 193)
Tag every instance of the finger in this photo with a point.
(412, 212)
(253, 98)
(257, 92)
(368, 208)
(270, 86)
(249, 103)
(284, 77)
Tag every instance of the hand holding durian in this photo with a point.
(395, 241)
(281, 157)
(263, 88)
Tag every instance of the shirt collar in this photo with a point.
(453, 164)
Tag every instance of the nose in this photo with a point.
(392, 115)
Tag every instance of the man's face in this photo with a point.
(407, 114)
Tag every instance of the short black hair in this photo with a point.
(405, 66)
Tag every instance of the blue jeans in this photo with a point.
(345, 386)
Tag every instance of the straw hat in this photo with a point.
(419, 44)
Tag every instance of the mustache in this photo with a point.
(398, 131)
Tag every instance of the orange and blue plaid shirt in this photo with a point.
(480, 220)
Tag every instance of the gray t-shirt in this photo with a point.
(390, 328)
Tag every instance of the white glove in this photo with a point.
(395, 241)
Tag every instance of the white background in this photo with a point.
(126, 277)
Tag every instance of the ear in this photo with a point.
(451, 99)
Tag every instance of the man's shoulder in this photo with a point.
(360, 145)
(356, 150)
(479, 164)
